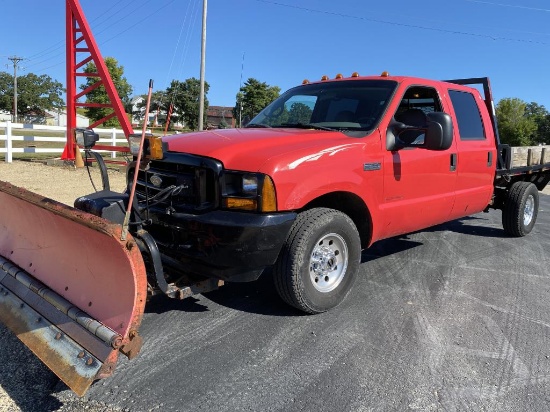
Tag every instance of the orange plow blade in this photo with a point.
(70, 289)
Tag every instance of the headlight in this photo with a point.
(248, 191)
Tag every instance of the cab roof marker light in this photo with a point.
(305, 81)
(385, 74)
(355, 74)
(325, 77)
(339, 76)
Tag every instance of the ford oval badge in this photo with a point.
(155, 180)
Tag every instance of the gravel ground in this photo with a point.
(61, 183)
(64, 184)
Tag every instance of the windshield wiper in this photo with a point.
(257, 125)
(306, 126)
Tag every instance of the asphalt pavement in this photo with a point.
(452, 318)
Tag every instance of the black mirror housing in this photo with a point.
(439, 131)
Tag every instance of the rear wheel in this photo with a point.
(319, 260)
(520, 209)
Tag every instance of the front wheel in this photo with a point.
(319, 261)
(520, 209)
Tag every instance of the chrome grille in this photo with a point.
(197, 186)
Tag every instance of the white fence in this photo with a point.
(115, 136)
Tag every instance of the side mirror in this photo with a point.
(439, 132)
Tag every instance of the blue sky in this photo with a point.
(286, 41)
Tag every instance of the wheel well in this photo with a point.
(350, 204)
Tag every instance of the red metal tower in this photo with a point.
(81, 49)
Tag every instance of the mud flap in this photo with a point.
(70, 289)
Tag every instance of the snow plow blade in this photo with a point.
(70, 289)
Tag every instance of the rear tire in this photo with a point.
(319, 261)
(520, 209)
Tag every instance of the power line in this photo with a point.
(508, 5)
(178, 42)
(193, 20)
(60, 44)
(409, 25)
(139, 21)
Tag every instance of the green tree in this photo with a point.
(253, 97)
(99, 95)
(185, 98)
(300, 113)
(541, 116)
(515, 128)
(35, 94)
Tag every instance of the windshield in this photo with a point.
(353, 105)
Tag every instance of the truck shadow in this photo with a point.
(260, 297)
(162, 304)
(469, 225)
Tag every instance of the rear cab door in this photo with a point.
(476, 148)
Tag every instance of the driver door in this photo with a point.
(419, 184)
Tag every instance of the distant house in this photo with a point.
(48, 118)
(138, 111)
(38, 117)
(216, 116)
(5, 116)
(59, 118)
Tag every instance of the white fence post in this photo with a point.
(113, 141)
(9, 154)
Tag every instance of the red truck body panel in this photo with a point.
(404, 190)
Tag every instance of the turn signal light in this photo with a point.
(269, 197)
(155, 148)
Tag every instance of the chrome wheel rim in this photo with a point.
(529, 210)
(328, 262)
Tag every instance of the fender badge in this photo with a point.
(367, 167)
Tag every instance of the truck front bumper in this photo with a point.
(228, 245)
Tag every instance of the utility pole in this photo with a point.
(15, 60)
(203, 58)
(241, 97)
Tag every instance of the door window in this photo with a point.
(470, 125)
(416, 102)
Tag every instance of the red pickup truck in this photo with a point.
(324, 171)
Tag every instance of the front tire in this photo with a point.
(319, 261)
(520, 209)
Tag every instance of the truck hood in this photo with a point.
(249, 149)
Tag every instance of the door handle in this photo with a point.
(490, 159)
(453, 161)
